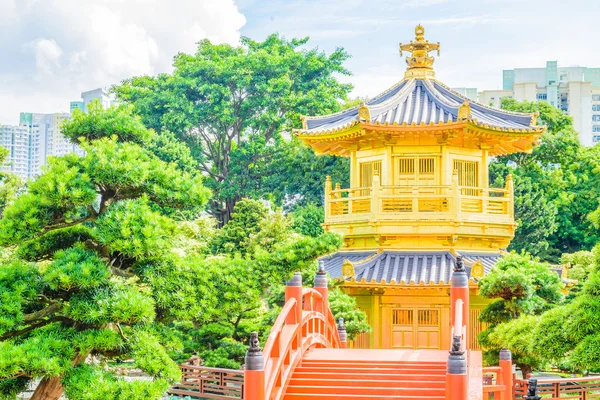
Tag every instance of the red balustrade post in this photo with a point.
(342, 334)
(457, 379)
(321, 287)
(507, 374)
(293, 289)
(459, 290)
(254, 372)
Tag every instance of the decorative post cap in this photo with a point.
(505, 355)
(460, 265)
(321, 276)
(342, 330)
(532, 390)
(254, 356)
(459, 276)
(457, 362)
(296, 280)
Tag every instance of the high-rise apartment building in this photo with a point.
(39, 136)
(575, 90)
(23, 145)
(99, 94)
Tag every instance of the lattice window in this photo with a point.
(467, 172)
(426, 166)
(406, 166)
(367, 171)
(402, 317)
(428, 317)
(475, 327)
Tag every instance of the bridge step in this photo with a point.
(313, 396)
(373, 375)
(355, 370)
(329, 374)
(373, 391)
(371, 383)
(373, 364)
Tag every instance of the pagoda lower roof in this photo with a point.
(404, 267)
(420, 102)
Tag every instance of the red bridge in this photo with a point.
(305, 357)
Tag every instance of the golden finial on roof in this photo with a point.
(347, 268)
(420, 63)
(464, 111)
(364, 113)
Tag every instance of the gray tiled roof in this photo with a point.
(404, 267)
(420, 101)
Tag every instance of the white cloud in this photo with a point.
(424, 3)
(47, 55)
(55, 49)
(8, 11)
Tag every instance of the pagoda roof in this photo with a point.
(403, 267)
(421, 110)
(424, 101)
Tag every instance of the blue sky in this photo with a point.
(52, 50)
(479, 37)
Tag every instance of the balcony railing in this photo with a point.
(452, 202)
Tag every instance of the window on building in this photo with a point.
(596, 138)
(467, 172)
(596, 97)
(596, 118)
(367, 171)
(414, 171)
(542, 96)
(595, 128)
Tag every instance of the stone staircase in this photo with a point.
(369, 374)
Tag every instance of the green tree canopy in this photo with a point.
(230, 104)
(520, 286)
(95, 243)
(557, 186)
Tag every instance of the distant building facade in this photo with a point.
(23, 146)
(38, 136)
(575, 90)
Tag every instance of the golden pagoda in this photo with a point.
(419, 196)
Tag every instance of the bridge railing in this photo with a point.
(305, 322)
(563, 388)
(501, 385)
(198, 381)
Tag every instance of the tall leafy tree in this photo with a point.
(230, 105)
(520, 286)
(96, 274)
(565, 336)
(556, 187)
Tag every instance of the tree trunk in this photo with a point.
(48, 389)
(525, 369)
(51, 388)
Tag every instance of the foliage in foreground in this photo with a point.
(522, 287)
(94, 242)
(254, 254)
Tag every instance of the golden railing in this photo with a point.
(420, 202)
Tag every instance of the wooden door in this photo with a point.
(416, 328)
(428, 329)
(403, 331)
